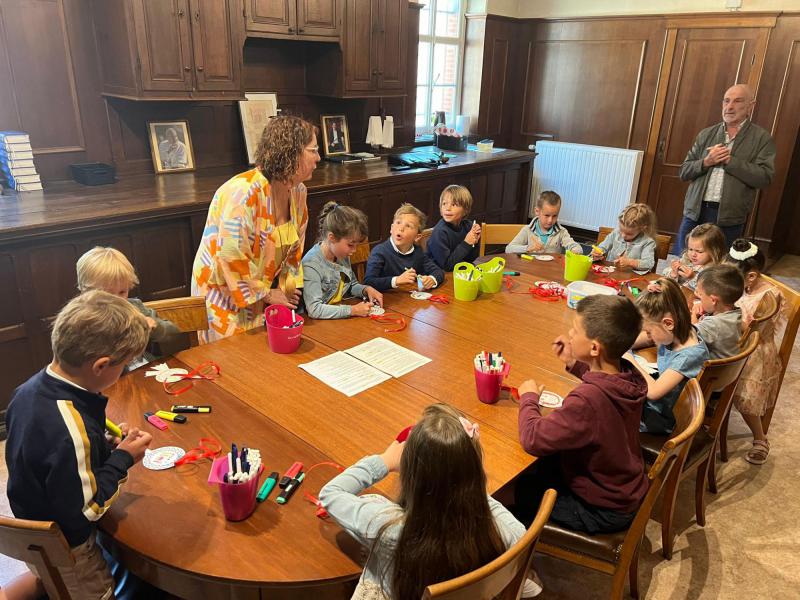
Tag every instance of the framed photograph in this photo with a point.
(255, 112)
(171, 146)
(335, 135)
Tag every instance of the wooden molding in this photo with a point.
(726, 20)
(636, 93)
(779, 106)
(58, 150)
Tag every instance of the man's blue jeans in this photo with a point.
(708, 214)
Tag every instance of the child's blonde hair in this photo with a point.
(713, 241)
(459, 195)
(410, 209)
(667, 299)
(101, 268)
(640, 216)
(97, 324)
(550, 198)
(343, 222)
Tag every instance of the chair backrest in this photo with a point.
(689, 411)
(663, 243)
(767, 308)
(792, 298)
(603, 232)
(503, 578)
(722, 375)
(423, 241)
(498, 233)
(41, 544)
(188, 313)
(359, 260)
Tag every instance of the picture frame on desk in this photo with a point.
(335, 135)
(255, 113)
(171, 146)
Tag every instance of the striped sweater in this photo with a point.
(60, 467)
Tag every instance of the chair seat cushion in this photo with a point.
(602, 546)
(651, 446)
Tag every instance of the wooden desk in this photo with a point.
(264, 400)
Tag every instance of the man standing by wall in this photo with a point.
(728, 162)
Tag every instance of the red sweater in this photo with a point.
(596, 432)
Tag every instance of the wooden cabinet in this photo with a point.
(170, 49)
(374, 38)
(318, 20)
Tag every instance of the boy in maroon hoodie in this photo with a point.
(599, 472)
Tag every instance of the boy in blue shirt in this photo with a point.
(455, 238)
(399, 260)
(61, 465)
(716, 317)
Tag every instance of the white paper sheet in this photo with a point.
(650, 367)
(344, 373)
(388, 357)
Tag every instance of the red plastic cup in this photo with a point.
(488, 384)
(238, 499)
(283, 338)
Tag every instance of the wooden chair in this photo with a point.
(498, 233)
(663, 243)
(359, 260)
(504, 577)
(766, 309)
(188, 313)
(41, 544)
(719, 375)
(423, 241)
(787, 344)
(617, 554)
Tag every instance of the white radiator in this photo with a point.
(595, 183)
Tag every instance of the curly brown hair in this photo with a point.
(281, 146)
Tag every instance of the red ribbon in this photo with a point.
(440, 299)
(309, 497)
(389, 318)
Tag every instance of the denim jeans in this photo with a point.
(708, 214)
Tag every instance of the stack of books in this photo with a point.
(16, 162)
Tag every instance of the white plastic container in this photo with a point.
(578, 290)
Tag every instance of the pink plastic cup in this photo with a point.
(488, 384)
(238, 499)
(283, 338)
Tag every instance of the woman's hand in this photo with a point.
(392, 455)
(276, 296)
(375, 297)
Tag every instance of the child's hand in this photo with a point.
(536, 245)
(697, 311)
(624, 261)
(135, 443)
(563, 351)
(409, 277)
(685, 271)
(675, 268)
(595, 255)
(474, 234)
(375, 297)
(392, 455)
(125, 429)
(428, 282)
(530, 386)
(150, 322)
(360, 310)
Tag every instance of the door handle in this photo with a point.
(180, 12)
(660, 151)
(197, 16)
(291, 29)
(300, 30)
(200, 68)
(187, 68)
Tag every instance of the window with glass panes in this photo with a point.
(438, 74)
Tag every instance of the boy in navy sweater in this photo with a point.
(455, 238)
(399, 260)
(61, 465)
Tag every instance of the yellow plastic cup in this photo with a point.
(576, 266)
(492, 275)
(466, 281)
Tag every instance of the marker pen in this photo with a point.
(184, 408)
(284, 496)
(526, 257)
(155, 421)
(290, 474)
(171, 416)
(268, 485)
(512, 273)
(113, 428)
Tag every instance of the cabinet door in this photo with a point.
(391, 40)
(217, 44)
(360, 70)
(318, 18)
(272, 16)
(164, 44)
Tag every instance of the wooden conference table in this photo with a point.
(168, 526)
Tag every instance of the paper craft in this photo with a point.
(376, 310)
(388, 357)
(162, 458)
(421, 295)
(550, 399)
(543, 257)
(650, 367)
(345, 373)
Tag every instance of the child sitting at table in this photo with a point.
(759, 382)
(717, 318)
(109, 270)
(61, 466)
(544, 234)
(705, 247)
(633, 243)
(681, 351)
(594, 435)
(399, 260)
(416, 542)
(454, 238)
(327, 274)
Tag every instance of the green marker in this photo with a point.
(287, 492)
(635, 291)
(266, 488)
